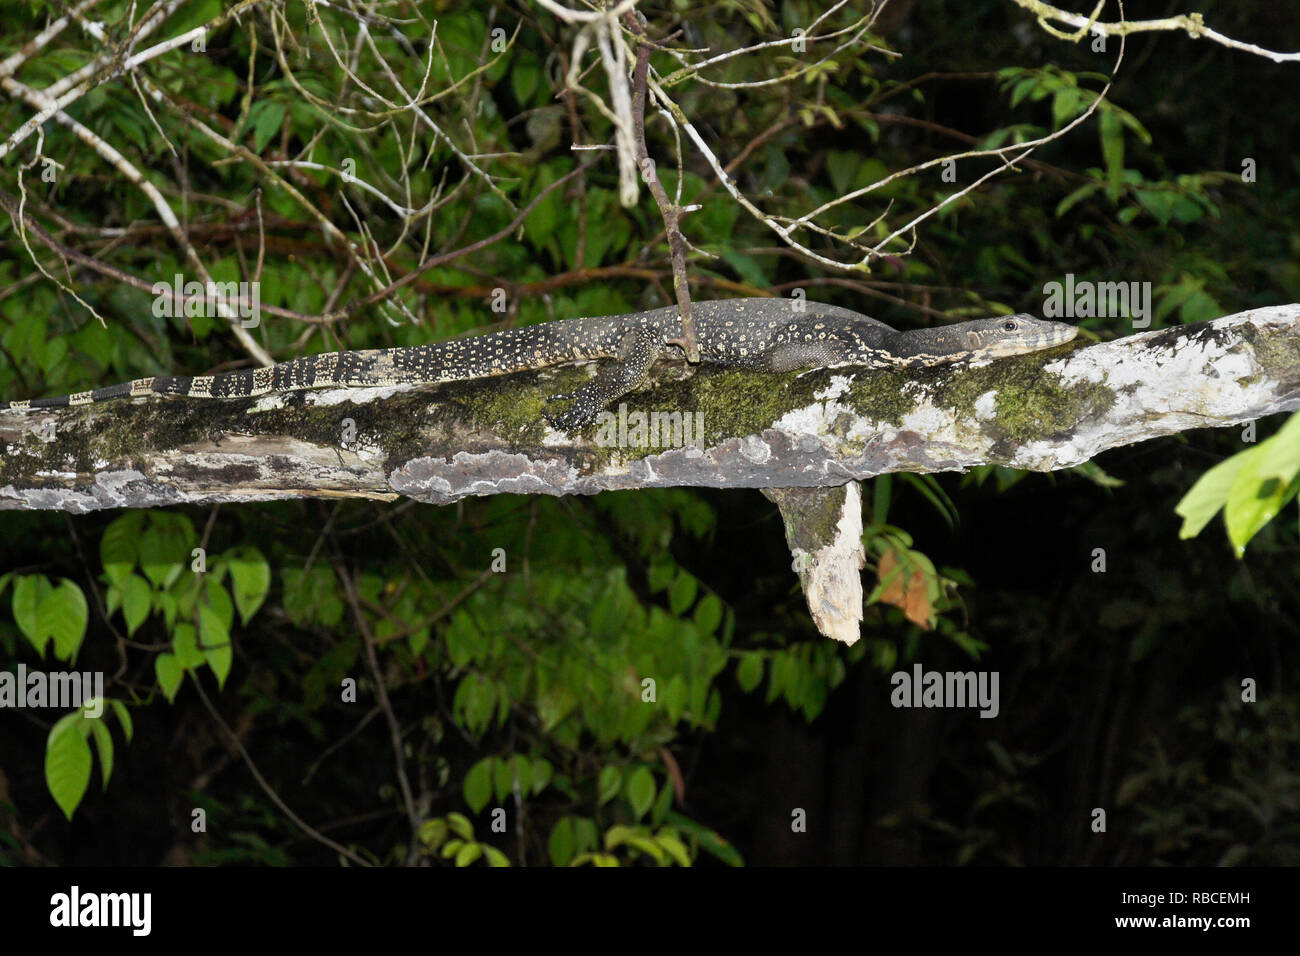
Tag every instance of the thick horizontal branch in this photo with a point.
(1041, 412)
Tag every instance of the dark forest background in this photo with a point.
(521, 690)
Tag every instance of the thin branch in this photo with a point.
(381, 692)
(670, 212)
(266, 786)
(1193, 24)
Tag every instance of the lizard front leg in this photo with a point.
(638, 351)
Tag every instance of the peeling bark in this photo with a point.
(823, 527)
(438, 444)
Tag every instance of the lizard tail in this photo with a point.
(497, 353)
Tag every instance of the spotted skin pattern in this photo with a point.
(775, 335)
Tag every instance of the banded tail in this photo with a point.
(457, 360)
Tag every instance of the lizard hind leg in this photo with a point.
(638, 352)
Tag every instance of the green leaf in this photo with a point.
(1112, 151)
(502, 781)
(478, 784)
(56, 351)
(1159, 202)
(167, 603)
(1069, 103)
(746, 267)
(707, 839)
(1023, 89)
(267, 124)
(186, 648)
(474, 703)
(611, 780)
(682, 594)
(494, 856)
(220, 660)
(433, 833)
(750, 672)
(675, 847)
(104, 744)
(933, 492)
(660, 575)
(1281, 460)
(250, 580)
(29, 591)
(641, 791)
(1097, 475)
(1208, 495)
(216, 597)
(585, 836)
(26, 338)
(542, 771)
(64, 615)
(216, 646)
(560, 846)
(663, 803)
(137, 598)
(842, 164)
(541, 222)
(1080, 194)
(524, 78)
(460, 825)
(468, 854)
(67, 763)
(1261, 487)
(674, 697)
(123, 718)
(521, 769)
(554, 705)
(168, 669)
(160, 558)
(617, 836)
(118, 548)
(708, 615)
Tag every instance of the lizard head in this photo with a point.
(1013, 335)
(977, 339)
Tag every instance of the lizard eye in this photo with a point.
(1009, 326)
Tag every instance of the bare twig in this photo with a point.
(269, 790)
(381, 692)
(669, 210)
(1193, 24)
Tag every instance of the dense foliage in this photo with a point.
(633, 678)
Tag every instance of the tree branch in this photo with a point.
(438, 444)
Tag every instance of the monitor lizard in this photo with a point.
(774, 334)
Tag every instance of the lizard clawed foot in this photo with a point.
(579, 415)
(570, 420)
